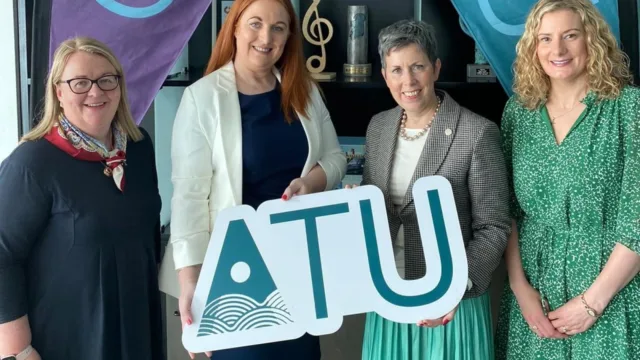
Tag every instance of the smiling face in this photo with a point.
(562, 46)
(261, 35)
(411, 76)
(92, 111)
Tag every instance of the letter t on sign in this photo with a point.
(309, 216)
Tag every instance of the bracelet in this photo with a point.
(591, 311)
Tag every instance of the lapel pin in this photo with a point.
(448, 132)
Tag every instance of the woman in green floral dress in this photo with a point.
(571, 137)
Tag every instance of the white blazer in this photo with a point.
(206, 156)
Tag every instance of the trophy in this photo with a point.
(316, 37)
(480, 71)
(357, 65)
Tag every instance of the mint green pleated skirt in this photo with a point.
(469, 336)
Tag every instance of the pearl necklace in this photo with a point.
(403, 131)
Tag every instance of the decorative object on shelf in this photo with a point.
(357, 50)
(480, 70)
(357, 70)
(480, 73)
(479, 56)
(356, 79)
(313, 33)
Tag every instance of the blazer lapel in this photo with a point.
(437, 144)
(387, 141)
(231, 127)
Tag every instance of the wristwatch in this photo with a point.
(21, 356)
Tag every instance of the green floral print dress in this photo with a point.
(573, 202)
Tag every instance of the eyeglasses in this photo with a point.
(83, 85)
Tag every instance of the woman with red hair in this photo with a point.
(253, 129)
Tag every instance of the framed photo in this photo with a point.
(353, 148)
(225, 6)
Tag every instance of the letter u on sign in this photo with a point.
(299, 266)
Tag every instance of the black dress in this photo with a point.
(273, 154)
(78, 256)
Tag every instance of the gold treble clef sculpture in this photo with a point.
(313, 34)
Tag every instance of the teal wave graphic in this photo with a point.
(236, 312)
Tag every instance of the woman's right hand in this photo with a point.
(188, 278)
(531, 306)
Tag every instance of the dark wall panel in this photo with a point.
(455, 48)
(629, 37)
(200, 46)
(38, 21)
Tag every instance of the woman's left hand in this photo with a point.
(299, 186)
(440, 321)
(572, 318)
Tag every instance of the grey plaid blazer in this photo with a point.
(471, 159)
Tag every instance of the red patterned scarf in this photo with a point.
(78, 144)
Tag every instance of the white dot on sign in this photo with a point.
(240, 272)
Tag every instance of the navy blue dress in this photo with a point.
(273, 154)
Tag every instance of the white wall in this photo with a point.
(165, 107)
(8, 86)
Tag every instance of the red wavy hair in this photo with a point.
(295, 79)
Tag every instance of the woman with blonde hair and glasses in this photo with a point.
(79, 231)
(571, 137)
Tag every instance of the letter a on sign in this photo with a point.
(300, 266)
(243, 295)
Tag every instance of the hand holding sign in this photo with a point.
(302, 265)
(297, 187)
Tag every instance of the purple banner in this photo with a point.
(147, 36)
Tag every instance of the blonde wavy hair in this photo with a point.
(53, 111)
(607, 65)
